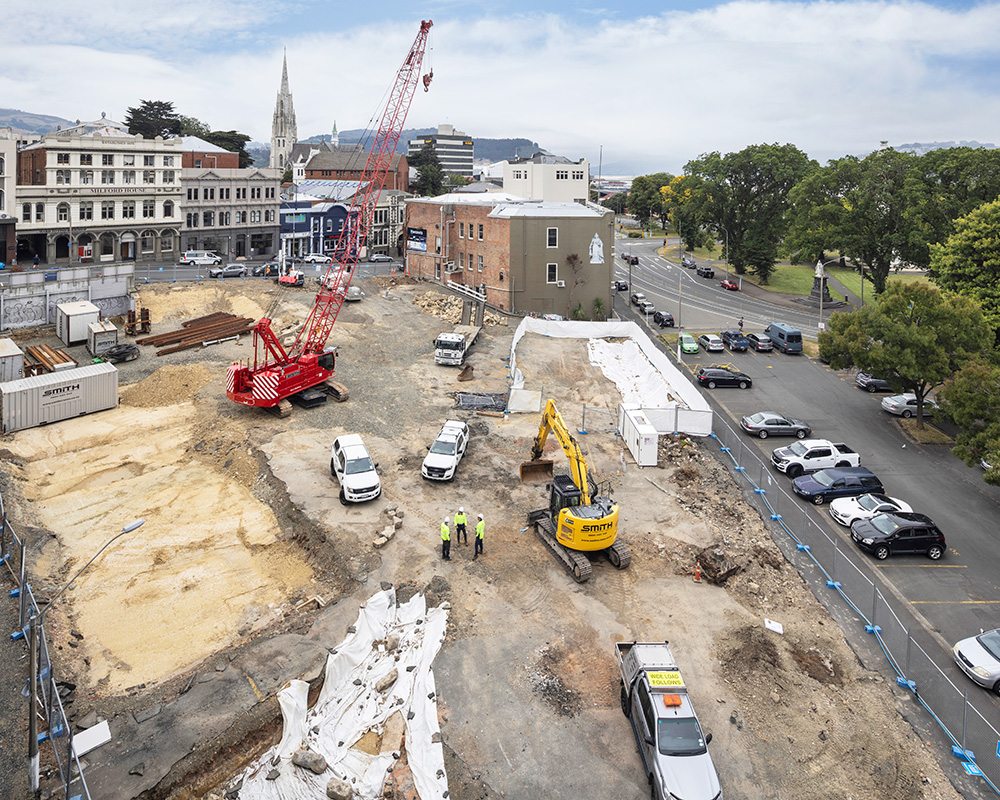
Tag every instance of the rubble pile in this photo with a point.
(394, 522)
(677, 450)
(449, 308)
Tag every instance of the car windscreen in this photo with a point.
(358, 465)
(443, 345)
(884, 523)
(680, 737)
(798, 449)
(823, 478)
(868, 502)
(443, 448)
(990, 642)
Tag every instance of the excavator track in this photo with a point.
(337, 391)
(619, 555)
(283, 409)
(576, 564)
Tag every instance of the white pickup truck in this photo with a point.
(812, 455)
(673, 748)
(448, 448)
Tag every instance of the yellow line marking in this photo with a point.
(924, 566)
(954, 602)
(253, 686)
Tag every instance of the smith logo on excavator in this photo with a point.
(604, 526)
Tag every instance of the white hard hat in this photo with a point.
(446, 519)
(461, 509)
(480, 516)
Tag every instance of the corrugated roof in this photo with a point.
(484, 199)
(545, 209)
(194, 144)
(353, 160)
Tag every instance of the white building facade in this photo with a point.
(553, 179)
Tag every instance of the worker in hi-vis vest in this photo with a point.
(480, 532)
(445, 540)
(460, 526)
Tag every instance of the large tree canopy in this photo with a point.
(644, 198)
(745, 199)
(233, 141)
(916, 337)
(971, 399)
(153, 118)
(681, 200)
(430, 177)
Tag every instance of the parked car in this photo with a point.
(354, 470)
(264, 270)
(688, 261)
(636, 298)
(688, 344)
(902, 532)
(979, 658)
(905, 405)
(722, 376)
(732, 286)
(199, 258)
(847, 510)
(619, 286)
(828, 484)
(871, 384)
(735, 341)
(645, 307)
(379, 257)
(444, 455)
(664, 319)
(711, 343)
(317, 258)
(759, 342)
(228, 271)
(706, 271)
(769, 423)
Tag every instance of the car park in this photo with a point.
(718, 376)
(735, 341)
(688, 261)
(711, 343)
(354, 469)
(317, 258)
(688, 344)
(871, 384)
(828, 484)
(905, 405)
(705, 271)
(379, 258)
(732, 286)
(979, 658)
(664, 319)
(444, 455)
(619, 286)
(769, 423)
(759, 342)
(903, 532)
(229, 271)
(847, 510)
(637, 298)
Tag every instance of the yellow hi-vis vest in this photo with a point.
(460, 519)
(480, 529)
(445, 533)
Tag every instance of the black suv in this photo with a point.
(871, 384)
(630, 259)
(664, 319)
(901, 532)
(688, 261)
(722, 376)
(706, 272)
(735, 341)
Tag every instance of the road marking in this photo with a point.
(954, 602)
(923, 566)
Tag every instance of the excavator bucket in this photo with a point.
(466, 373)
(536, 471)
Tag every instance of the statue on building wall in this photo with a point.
(596, 250)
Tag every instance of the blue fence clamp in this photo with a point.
(964, 755)
(56, 731)
(17, 635)
(582, 432)
(804, 548)
(738, 468)
(873, 629)
(833, 585)
(16, 592)
(724, 449)
(758, 490)
(911, 685)
(776, 517)
(43, 737)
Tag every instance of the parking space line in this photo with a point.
(954, 602)
(923, 566)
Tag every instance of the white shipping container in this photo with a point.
(101, 336)
(29, 402)
(72, 320)
(640, 436)
(11, 361)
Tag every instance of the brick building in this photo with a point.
(523, 256)
(198, 153)
(348, 165)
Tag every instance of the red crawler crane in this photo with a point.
(276, 373)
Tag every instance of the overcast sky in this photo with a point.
(654, 84)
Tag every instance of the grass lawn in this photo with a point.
(798, 279)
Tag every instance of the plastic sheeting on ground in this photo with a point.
(643, 374)
(349, 707)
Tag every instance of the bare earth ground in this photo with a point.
(243, 523)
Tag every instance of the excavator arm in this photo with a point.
(552, 421)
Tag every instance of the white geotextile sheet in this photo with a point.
(344, 712)
(645, 376)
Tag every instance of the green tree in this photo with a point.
(971, 399)
(430, 177)
(617, 202)
(682, 200)
(916, 337)
(746, 199)
(969, 261)
(153, 118)
(234, 142)
(286, 176)
(190, 126)
(456, 180)
(599, 314)
(644, 198)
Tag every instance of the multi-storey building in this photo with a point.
(233, 212)
(95, 192)
(386, 234)
(8, 173)
(310, 226)
(454, 149)
(544, 176)
(527, 256)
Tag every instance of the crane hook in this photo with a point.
(427, 80)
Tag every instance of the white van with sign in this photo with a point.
(200, 258)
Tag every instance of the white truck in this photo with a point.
(451, 347)
(812, 455)
(448, 448)
(673, 748)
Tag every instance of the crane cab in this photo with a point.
(581, 527)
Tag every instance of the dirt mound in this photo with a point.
(179, 384)
(449, 308)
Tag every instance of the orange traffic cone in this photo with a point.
(697, 571)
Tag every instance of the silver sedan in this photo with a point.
(979, 658)
(770, 423)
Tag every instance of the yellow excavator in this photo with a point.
(578, 521)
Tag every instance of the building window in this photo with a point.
(147, 161)
(241, 193)
(86, 210)
(107, 176)
(148, 176)
(62, 212)
(166, 242)
(108, 160)
(480, 232)
(147, 241)
(208, 219)
(62, 176)
(128, 209)
(269, 215)
(108, 210)
(461, 230)
(26, 212)
(552, 237)
(269, 193)
(479, 263)
(381, 216)
(562, 174)
(128, 176)
(39, 212)
(62, 158)
(551, 273)
(168, 208)
(129, 160)
(168, 161)
(461, 260)
(255, 193)
(209, 192)
(578, 174)
(86, 177)
(86, 159)
(192, 193)
(148, 209)
(168, 176)
(3, 200)
(224, 217)
(243, 217)
(223, 194)
(197, 163)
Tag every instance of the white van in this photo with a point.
(199, 258)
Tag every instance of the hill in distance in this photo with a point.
(26, 122)
(920, 148)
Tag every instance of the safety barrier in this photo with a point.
(913, 654)
(54, 729)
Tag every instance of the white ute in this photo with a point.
(448, 448)
(354, 470)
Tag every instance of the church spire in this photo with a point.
(335, 138)
(284, 71)
(284, 132)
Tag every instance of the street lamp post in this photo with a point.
(35, 622)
